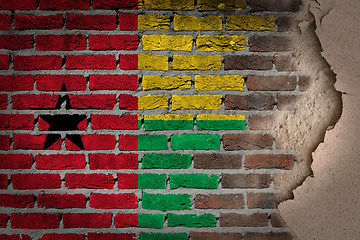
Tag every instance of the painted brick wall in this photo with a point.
(150, 120)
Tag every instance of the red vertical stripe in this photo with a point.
(127, 181)
(128, 21)
(129, 62)
(128, 143)
(128, 102)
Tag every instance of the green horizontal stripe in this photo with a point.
(166, 161)
(146, 220)
(221, 124)
(151, 181)
(156, 125)
(191, 220)
(163, 236)
(166, 202)
(152, 142)
(195, 142)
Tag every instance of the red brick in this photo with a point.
(114, 82)
(258, 102)
(4, 181)
(268, 161)
(23, 22)
(61, 201)
(64, 4)
(35, 220)
(269, 43)
(128, 21)
(113, 42)
(49, 62)
(87, 220)
(111, 236)
(247, 141)
(112, 161)
(32, 101)
(128, 102)
(215, 236)
(16, 161)
(89, 181)
(57, 82)
(113, 201)
(285, 63)
(4, 61)
(5, 21)
(91, 22)
(99, 101)
(268, 236)
(249, 62)
(105, 62)
(18, 5)
(128, 143)
(246, 180)
(16, 42)
(129, 62)
(276, 220)
(4, 218)
(288, 102)
(60, 42)
(17, 201)
(271, 83)
(93, 142)
(219, 201)
(127, 181)
(116, 4)
(262, 200)
(60, 161)
(125, 220)
(304, 83)
(36, 181)
(4, 142)
(115, 122)
(274, 5)
(3, 103)
(14, 237)
(16, 82)
(64, 236)
(259, 122)
(217, 161)
(243, 220)
(287, 24)
(16, 122)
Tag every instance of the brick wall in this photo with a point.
(150, 120)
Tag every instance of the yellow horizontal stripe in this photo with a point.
(218, 82)
(167, 117)
(149, 102)
(220, 117)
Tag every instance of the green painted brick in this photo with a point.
(220, 125)
(152, 142)
(163, 236)
(166, 202)
(195, 142)
(166, 161)
(156, 125)
(151, 181)
(191, 220)
(196, 180)
(146, 220)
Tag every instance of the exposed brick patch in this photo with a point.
(271, 83)
(251, 62)
(258, 102)
(243, 220)
(269, 161)
(247, 141)
(217, 161)
(262, 200)
(269, 43)
(246, 180)
(219, 201)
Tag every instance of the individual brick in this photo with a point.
(125, 220)
(18, 5)
(116, 4)
(166, 161)
(32, 101)
(248, 62)
(115, 122)
(196, 102)
(287, 24)
(49, 62)
(288, 102)
(128, 181)
(149, 102)
(191, 220)
(87, 220)
(36, 181)
(245, 180)
(276, 220)
(269, 43)
(250, 23)
(23, 22)
(128, 102)
(166, 202)
(15, 237)
(259, 122)
(4, 182)
(89, 181)
(114, 82)
(4, 142)
(64, 4)
(35, 220)
(4, 61)
(129, 21)
(195, 142)
(16, 83)
(60, 161)
(17, 201)
(196, 180)
(146, 220)
(268, 236)
(141, 181)
(104, 62)
(60, 42)
(91, 22)
(271, 83)
(262, 200)
(217, 161)
(163, 236)
(169, 122)
(144, 62)
(62, 236)
(92, 101)
(304, 83)
(219, 201)
(113, 42)
(169, 5)
(5, 21)
(243, 220)
(61, 201)
(269, 161)
(16, 161)
(152, 142)
(247, 141)
(16, 42)
(110, 236)
(113, 201)
(3, 104)
(16, 122)
(220, 122)
(4, 218)
(285, 63)
(212, 43)
(153, 82)
(152, 22)
(60, 82)
(219, 82)
(190, 23)
(128, 142)
(227, 5)
(37, 142)
(167, 42)
(197, 62)
(274, 6)
(215, 236)
(112, 161)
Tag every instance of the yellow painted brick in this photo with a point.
(220, 117)
(153, 62)
(218, 82)
(227, 5)
(210, 43)
(140, 4)
(169, 4)
(196, 62)
(167, 42)
(189, 23)
(153, 22)
(168, 117)
(149, 102)
(150, 82)
(250, 23)
(196, 102)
